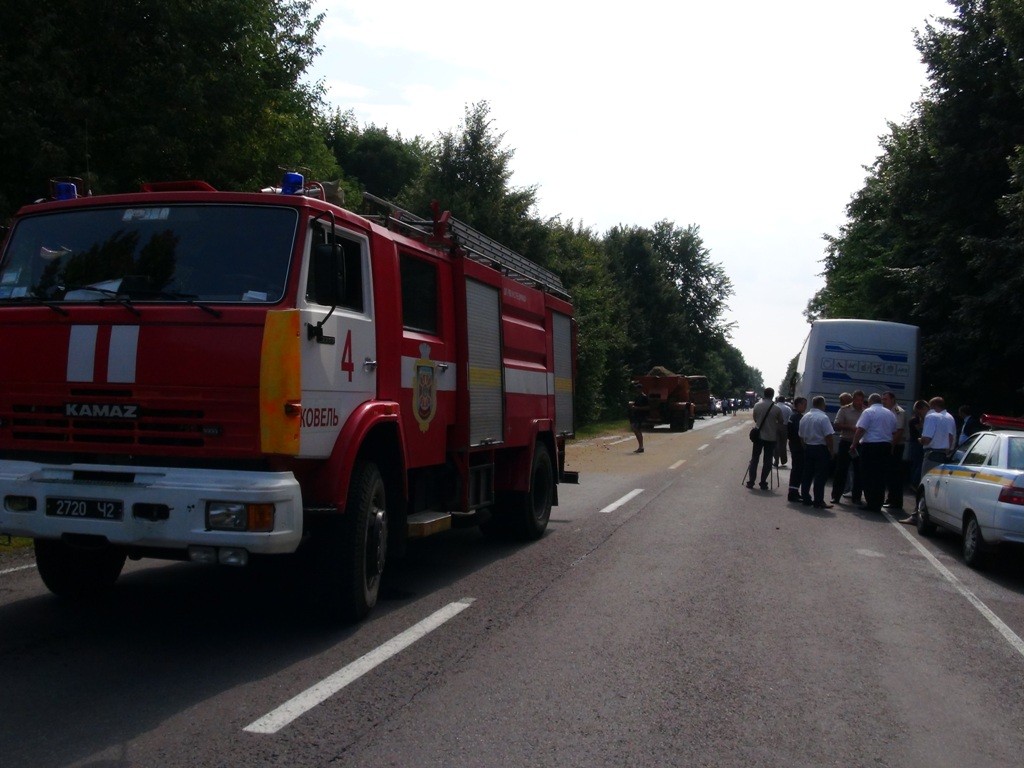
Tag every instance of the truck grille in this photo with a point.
(159, 422)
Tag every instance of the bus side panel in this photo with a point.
(870, 355)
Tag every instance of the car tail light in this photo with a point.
(1012, 495)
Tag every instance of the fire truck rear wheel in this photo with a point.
(532, 510)
(75, 572)
(365, 541)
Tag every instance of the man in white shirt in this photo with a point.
(938, 432)
(872, 440)
(816, 434)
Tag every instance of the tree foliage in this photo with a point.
(124, 91)
(934, 236)
(372, 158)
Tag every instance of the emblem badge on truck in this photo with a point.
(424, 389)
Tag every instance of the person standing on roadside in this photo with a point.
(768, 419)
(969, 424)
(938, 432)
(816, 434)
(787, 414)
(894, 472)
(914, 425)
(850, 409)
(872, 440)
(796, 448)
(637, 413)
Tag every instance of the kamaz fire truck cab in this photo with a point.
(213, 376)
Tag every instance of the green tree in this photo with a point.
(468, 171)
(933, 238)
(676, 296)
(124, 91)
(377, 161)
(601, 379)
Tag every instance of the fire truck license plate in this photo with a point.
(95, 509)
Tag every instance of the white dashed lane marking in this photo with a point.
(616, 504)
(319, 693)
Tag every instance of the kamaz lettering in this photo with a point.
(100, 411)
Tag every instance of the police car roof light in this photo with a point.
(1002, 422)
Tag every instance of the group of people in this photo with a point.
(867, 447)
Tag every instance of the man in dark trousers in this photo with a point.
(637, 413)
(873, 440)
(768, 418)
(796, 448)
(817, 436)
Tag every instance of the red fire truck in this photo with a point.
(217, 376)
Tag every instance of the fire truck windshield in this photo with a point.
(188, 253)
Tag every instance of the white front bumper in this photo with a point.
(184, 491)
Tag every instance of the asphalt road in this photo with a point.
(693, 623)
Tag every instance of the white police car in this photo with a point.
(979, 492)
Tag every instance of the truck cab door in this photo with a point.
(339, 347)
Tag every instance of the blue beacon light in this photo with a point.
(292, 184)
(64, 190)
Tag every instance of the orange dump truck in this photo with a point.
(668, 401)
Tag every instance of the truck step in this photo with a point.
(428, 523)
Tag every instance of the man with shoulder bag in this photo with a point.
(765, 436)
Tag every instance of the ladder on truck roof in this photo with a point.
(477, 246)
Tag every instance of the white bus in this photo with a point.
(870, 355)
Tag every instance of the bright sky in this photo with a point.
(752, 120)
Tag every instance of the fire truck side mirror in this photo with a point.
(325, 275)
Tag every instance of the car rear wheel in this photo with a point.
(973, 543)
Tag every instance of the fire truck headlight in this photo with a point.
(239, 516)
(226, 516)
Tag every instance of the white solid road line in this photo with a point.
(1008, 634)
(616, 504)
(15, 570)
(319, 693)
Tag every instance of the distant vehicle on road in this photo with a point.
(668, 401)
(978, 494)
(846, 355)
(700, 395)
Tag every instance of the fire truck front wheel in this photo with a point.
(352, 550)
(73, 571)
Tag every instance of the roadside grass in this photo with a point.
(11, 543)
(598, 428)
